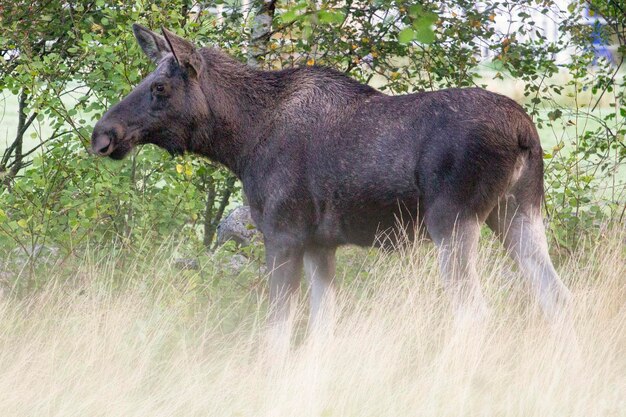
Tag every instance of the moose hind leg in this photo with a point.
(523, 234)
(457, 241)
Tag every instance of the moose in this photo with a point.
(326, 161)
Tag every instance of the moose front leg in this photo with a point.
(319, 266)
(285, 264)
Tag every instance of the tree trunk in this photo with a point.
(211, 221)
(261, 32)
(208, 214)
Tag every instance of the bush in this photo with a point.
(66, 63)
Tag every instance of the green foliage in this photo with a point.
(66, 195)
(70, 61)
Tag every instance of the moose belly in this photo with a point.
(376, 223)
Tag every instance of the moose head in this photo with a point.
(168, 108)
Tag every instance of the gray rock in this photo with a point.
(37, 251)
(187, 263)
(238, 262)
(40, 254)
(238, 227)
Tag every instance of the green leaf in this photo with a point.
(326, 16)
(425, 34)
(22, 223)
(555, 114)
(423, 26)
(429, 17)
(406, 35)
(415, 10)
(307, 31)
(289, 16)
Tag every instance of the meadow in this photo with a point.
(109, 337)
(102, 333)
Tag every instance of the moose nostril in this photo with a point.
(104, 149)
(102, 145)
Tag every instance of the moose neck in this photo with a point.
(239, 100)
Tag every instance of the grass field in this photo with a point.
(108, 337)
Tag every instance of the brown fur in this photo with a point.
(326, 160)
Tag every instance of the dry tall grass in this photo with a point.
(151, 348)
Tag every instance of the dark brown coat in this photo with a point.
(327, 161)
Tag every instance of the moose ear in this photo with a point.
(152, 44)
(184, 51)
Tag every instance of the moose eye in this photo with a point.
(159, 87)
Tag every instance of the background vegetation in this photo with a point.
(64, 63)
(100, 313)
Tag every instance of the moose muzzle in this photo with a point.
(105, 138)
(101, 145)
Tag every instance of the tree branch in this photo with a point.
(16, 148)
